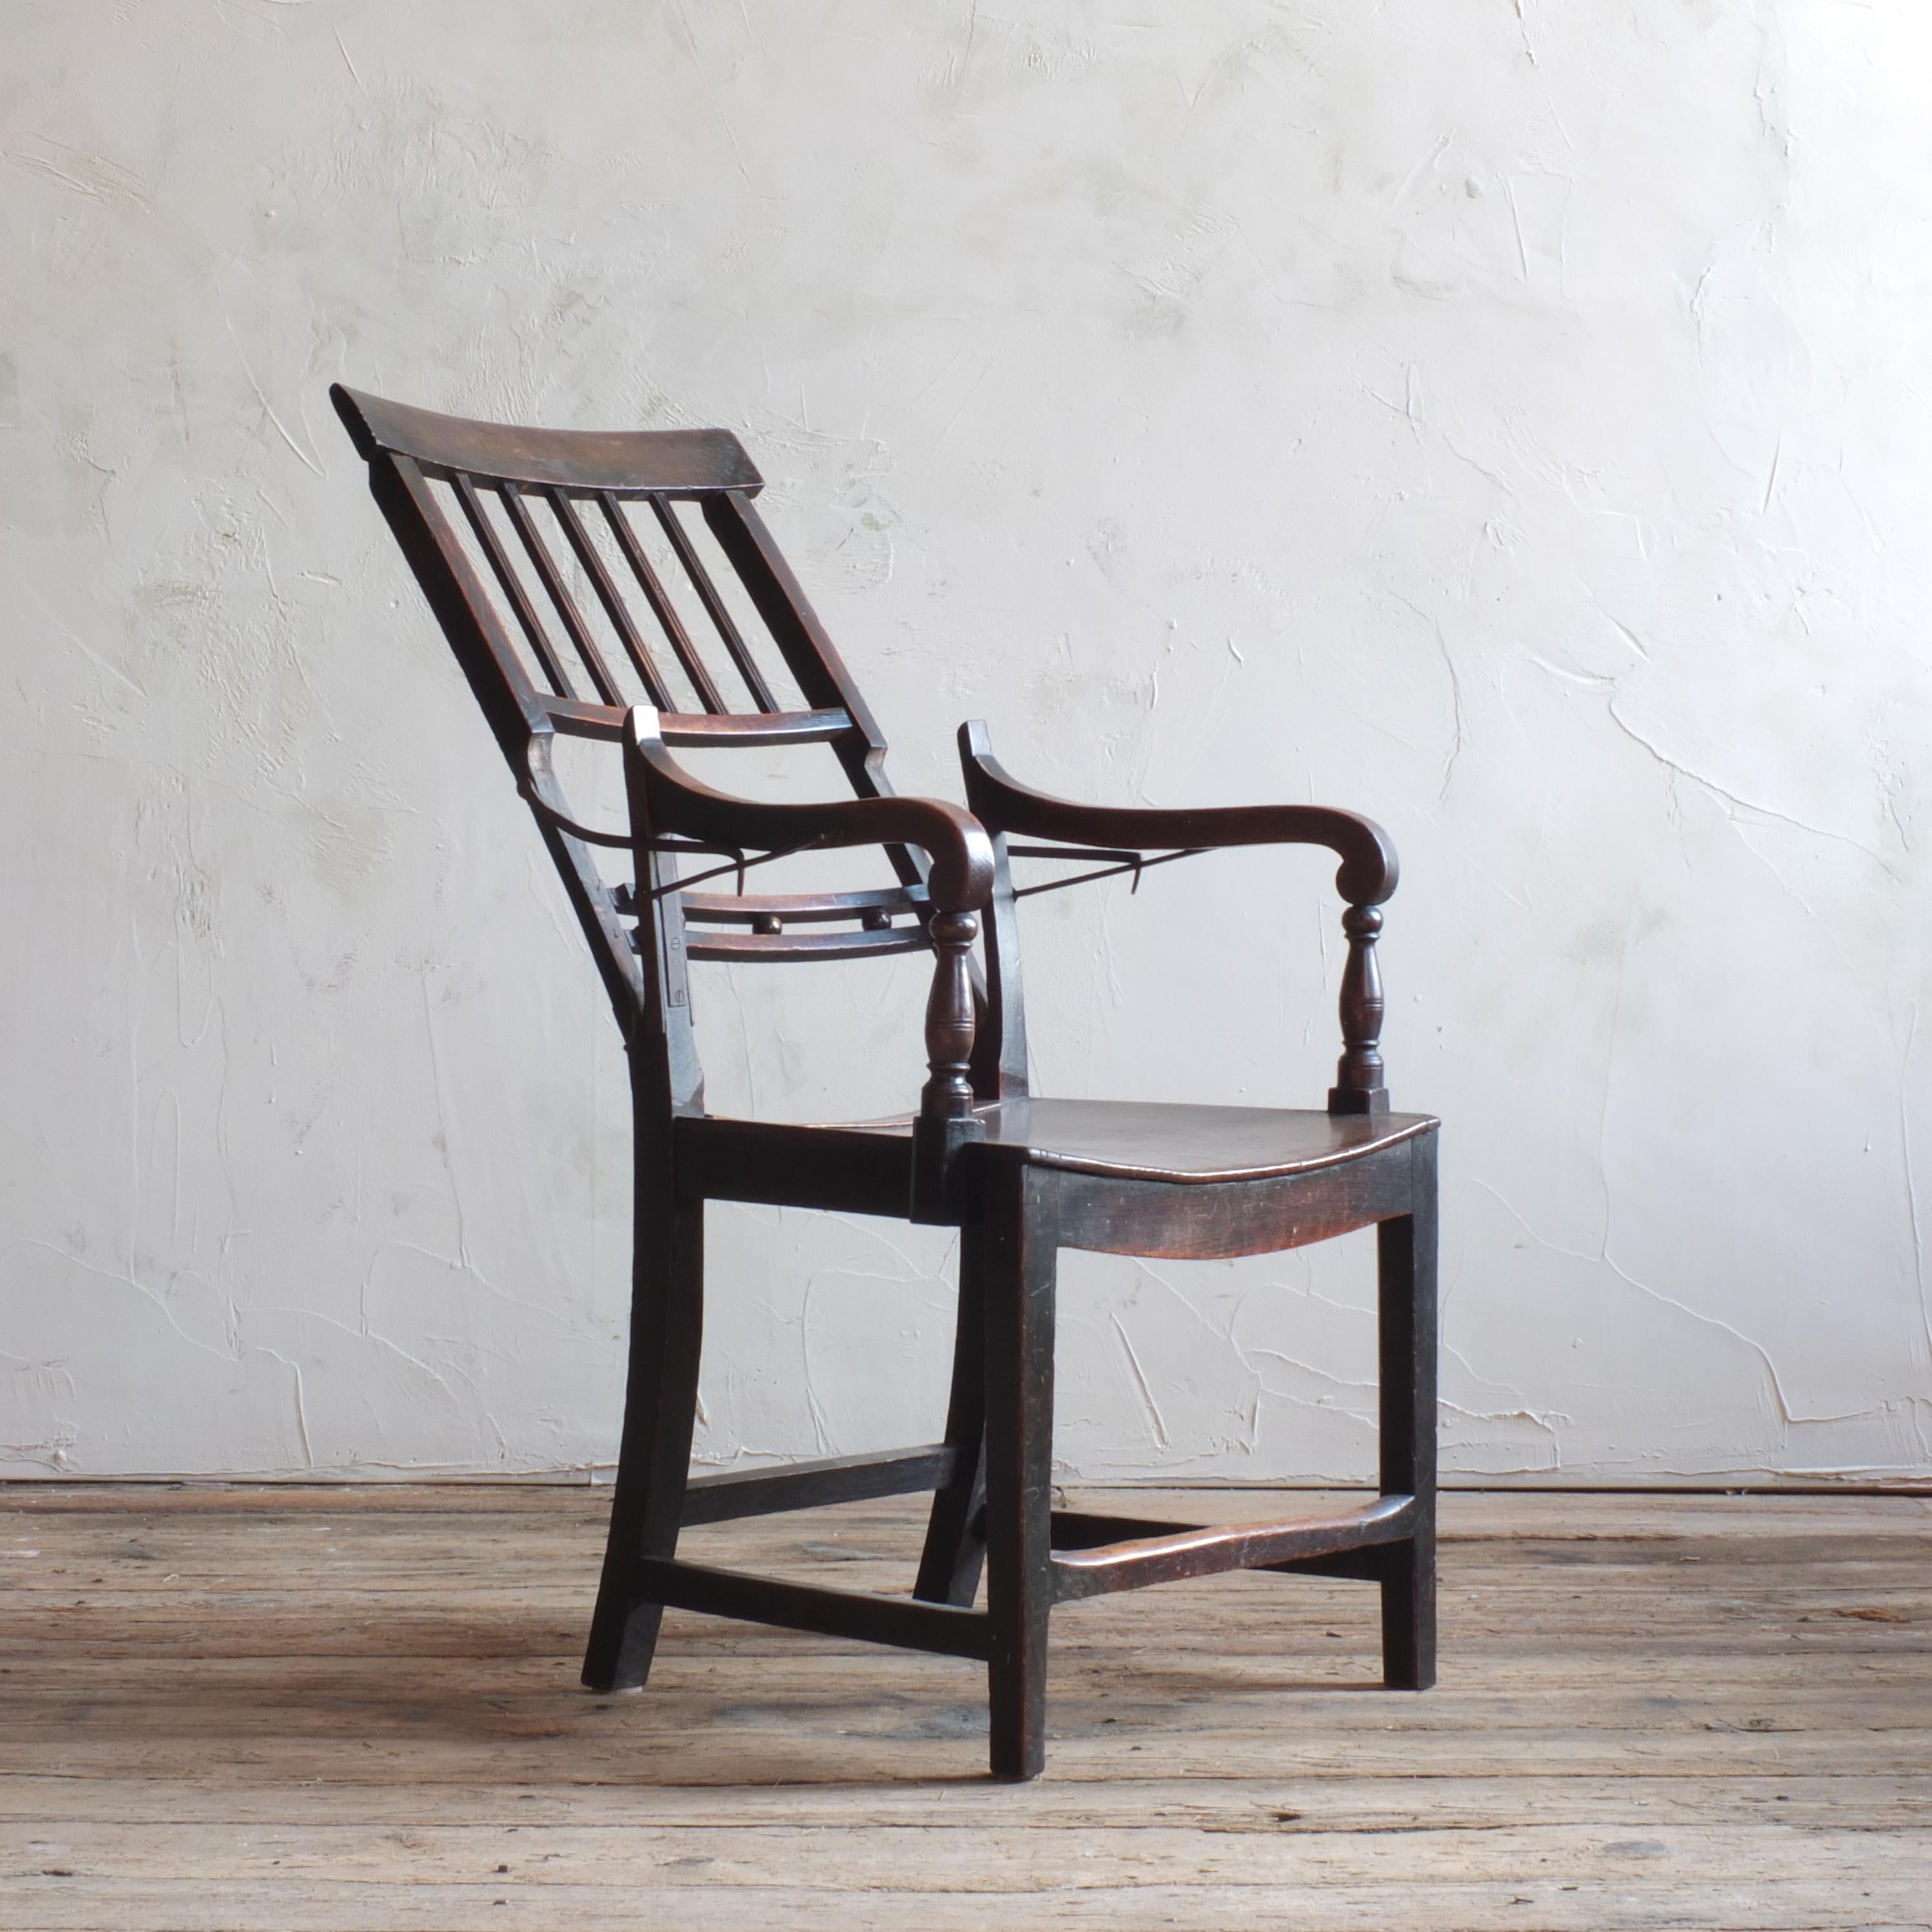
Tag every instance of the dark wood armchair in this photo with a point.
(537, 551)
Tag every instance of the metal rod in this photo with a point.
(1133, 862)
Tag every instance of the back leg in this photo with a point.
(955, 1535)
(654, 1457)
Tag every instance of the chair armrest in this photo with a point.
(1366, 877)
(665, 798)
(673, 801)
(1368, 872)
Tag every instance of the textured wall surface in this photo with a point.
(1509, 419)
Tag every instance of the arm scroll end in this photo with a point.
(1369, 870)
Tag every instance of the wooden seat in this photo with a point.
(524, 541)
(1181, 1143)
(1165, 1140)
(1163, 1145)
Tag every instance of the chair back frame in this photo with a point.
(532, 693)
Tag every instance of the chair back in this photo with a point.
(568, 571)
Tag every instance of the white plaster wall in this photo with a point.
(1510, 419)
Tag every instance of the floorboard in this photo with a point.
(234, 1707)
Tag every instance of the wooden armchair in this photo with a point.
(553, 647)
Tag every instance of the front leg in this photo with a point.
(1407, 1325)
(1021, 1206)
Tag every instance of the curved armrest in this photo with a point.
(1368, 872)
(666, 798)
(961, 880)
(1366, 876)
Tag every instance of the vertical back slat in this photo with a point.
(708, 693)
(707, 591)
(498, 675)
(808, 653)
(635, 647)
(559, 595)
(469, 620)
(512, 585)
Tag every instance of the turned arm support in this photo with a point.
(1366, 877)
(666, 799)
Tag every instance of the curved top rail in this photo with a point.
(680, 461)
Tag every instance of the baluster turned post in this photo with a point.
(1358, 1087)
(946, 1102)
(948, 1093)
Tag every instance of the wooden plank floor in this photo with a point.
(292, 1709)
